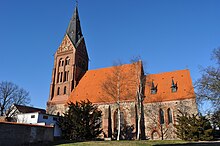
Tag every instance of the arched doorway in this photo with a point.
(155, 135)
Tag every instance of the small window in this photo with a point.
(45, 117)
(32, 116)
(153, 91)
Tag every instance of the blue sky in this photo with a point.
(168, 34)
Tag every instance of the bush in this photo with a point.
(81, 122)
(195, 127)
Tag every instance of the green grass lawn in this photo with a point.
(118, 143)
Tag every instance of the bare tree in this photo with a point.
(139, 82)
(208, 86)
(116, 87)
(11, 94)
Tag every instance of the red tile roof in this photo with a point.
(90, 86)
(163, 81)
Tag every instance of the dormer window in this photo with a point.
(174, 86)
(153, 88)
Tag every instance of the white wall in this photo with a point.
(41, 119)
(50, 120)
(27, 118)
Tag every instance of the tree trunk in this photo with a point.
(119, 112)
(119, 124)
(2, 111)
(138, 126)
(139, 100)
(161, 129)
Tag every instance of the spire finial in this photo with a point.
(76, 3)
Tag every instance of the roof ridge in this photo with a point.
(168, 72)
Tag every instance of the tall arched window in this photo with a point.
(170, 118)
(161, 116)
(64, 90)
(67, 62)
(60, 62)
(122, 119)
(66, 76)
(58, 77)
(58, 91)
(61, 76)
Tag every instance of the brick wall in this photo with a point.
(21, 134)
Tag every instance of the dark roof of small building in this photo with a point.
(28, 109)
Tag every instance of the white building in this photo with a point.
(40, 119)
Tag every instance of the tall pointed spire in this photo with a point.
(74, 29)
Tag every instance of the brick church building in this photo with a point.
(164, 94)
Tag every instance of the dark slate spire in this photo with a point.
(74, 29)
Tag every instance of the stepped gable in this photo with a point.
(164, 82)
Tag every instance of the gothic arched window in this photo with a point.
(122, 119)
(58, 77)
(60, 62)
(67, 61)
(170, 118)
(61, 76)
(58, 91)
(64, 90)
(161, 116)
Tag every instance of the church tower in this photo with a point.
(70, 64)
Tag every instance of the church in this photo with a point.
(164, 94)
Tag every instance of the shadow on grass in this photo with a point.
(211, 143)
(56, 142)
